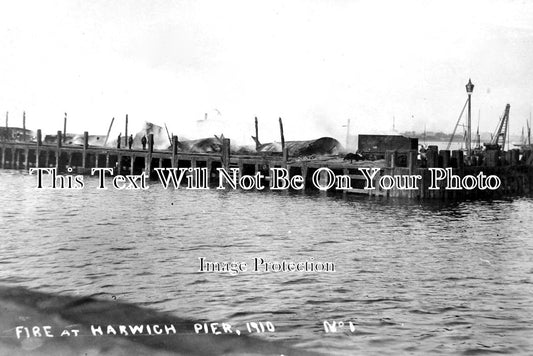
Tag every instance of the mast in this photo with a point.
(108, 131)
(65, 128)
(469, 90)
(529, 129)
(168, 135)
(478, 137)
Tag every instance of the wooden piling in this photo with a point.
(304, 175)
(174, 151)
(458, 159)
(225, 153)
(445, 156)
(432, 157)
(7, 125)
(148, 159)
(132, 164)
(393, 158)
(3, 156)
(412, 161)
(126, 133)
(119, 164)
(285, 156)
(58, 147)
(515, 154)
(209, 165)
(240, 163)
(388, 155)
(85, 146)
(38, 148)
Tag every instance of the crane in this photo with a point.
(500, 135)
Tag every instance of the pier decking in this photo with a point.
(515, 172)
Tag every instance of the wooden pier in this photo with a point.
(515, 172)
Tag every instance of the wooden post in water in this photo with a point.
(506, 158)
(432, 157)
(285, 156)
(119, 163)
(458, 157)
(225, 153)
(24, 127)
(65, 129)
(388, 155)
(85, 146)
(148, 158)
(412, 161)
(304, 175)
(12, 165)
(17, 158)
(193, 166)
(58, 148)
(241, 166)
(3, 155)
(132, 164)
(38, 149)
(174, 151)
(445, 154)
(126, 134)
(515, 154)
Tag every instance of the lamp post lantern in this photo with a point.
(469, 90)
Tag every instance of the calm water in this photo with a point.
(414, 278)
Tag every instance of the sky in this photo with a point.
(314, 63)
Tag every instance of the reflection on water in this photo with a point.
(454, 278)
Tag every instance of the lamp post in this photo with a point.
(469, 90)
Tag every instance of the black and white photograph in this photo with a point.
(320, 177)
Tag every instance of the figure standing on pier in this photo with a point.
(130, 141)
(119, 139)
(143, 141)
